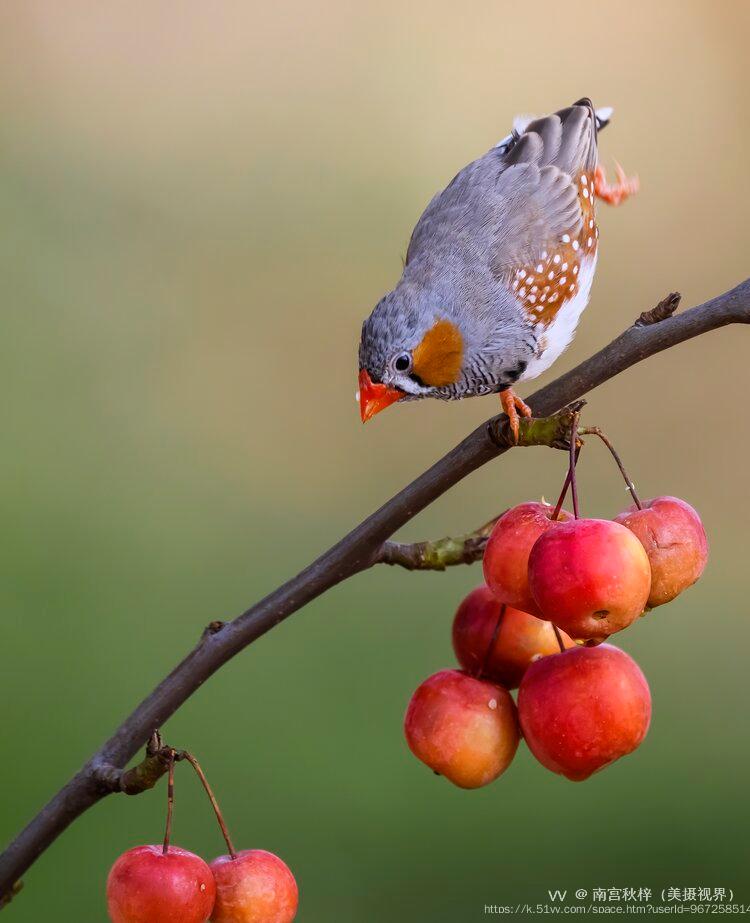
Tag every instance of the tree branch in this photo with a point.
(357, 551)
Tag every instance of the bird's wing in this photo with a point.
(538, 206)
(538, 194)
(521, 196)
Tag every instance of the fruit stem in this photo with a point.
(170, 803)
(493, 641)
(595, 431)
(573, 458)
(214, 803)
(564, 491)
(559, 637)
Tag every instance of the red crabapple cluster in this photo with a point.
(166, 884)
(556, 587)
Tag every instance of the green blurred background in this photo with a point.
(200, 204)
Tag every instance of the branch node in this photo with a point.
(144, 775)
(666, 308)
(213, 628)
(552, 431)
(6, 898)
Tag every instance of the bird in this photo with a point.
(498, 270)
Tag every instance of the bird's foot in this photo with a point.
(513, 405)
(621, 190)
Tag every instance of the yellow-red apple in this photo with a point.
(254, 887)
(463, 728)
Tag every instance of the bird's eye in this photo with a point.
(402, 363)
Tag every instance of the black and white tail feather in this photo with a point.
(521, 122)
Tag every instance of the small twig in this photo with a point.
(440, 553)
(212, 798)
(170, 803)
(6, 898)
(666, 308)
(141, 777)
(559, 637)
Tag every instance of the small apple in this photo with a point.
(583, 709)
(503, 653)
(591, 577)
(506, 556)
(463, 728)
(254, 887)
(147, 885)
(675, 541)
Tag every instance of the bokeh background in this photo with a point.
(200, 203)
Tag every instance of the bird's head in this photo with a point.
(407, 350)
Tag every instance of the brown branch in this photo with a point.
(357, 551)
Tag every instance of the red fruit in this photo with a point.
(506, 557)
(463, 728)
(502, 657)
(675, 541)
(256, 887)
(584, 709)
(591, 577)
(146, 885)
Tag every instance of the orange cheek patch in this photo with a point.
(437, 359)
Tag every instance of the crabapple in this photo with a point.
(147, 885)
(506, 556)
(591, 577)
(500, 652)
(463, 728)
(583, 709)
(254, 887)
(675, 541)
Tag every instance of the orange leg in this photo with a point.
(622, 189)
(512, 405)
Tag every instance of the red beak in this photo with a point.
(375, 397)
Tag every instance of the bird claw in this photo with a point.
(512, 406)
(618, 192)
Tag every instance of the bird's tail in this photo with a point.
(566, 139)
(602, 116)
